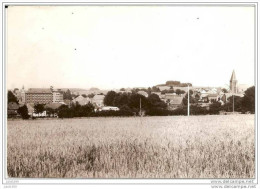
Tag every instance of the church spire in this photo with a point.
(233, 76)
(233, 83)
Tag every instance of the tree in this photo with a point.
(155, 89)
(64, 112)
(84, 95)
(175, 83)
(109, 98)
(91, 95)
(149, 90)
(134, 102)
(192, 99)
(23, 111)
(154, 101)
(248, 101)
(224, 90)
(67, 95)
(228, 106)
(120, 100)
(38, 108)
(179, 91)
(197, 96)
(122, 89)
(11, 97)
(214, 108)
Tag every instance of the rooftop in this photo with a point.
(39, 90)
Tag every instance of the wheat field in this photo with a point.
(214, 146)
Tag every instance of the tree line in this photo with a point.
(131, 103)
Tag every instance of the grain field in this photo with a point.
(214, 146)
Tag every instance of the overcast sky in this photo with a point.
(128, 46)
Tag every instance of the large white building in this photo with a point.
(57, 96)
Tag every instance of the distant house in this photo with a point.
(53, 105)
(31, 112)
(143, 93)
(174, 101)
(225, 96)
(98, 100)
(107, 108)
(170, 96)
(12, 109)
(30, 107)
(81, 100)
(53, 109)
(43, 114)
(162, 88)
(213, 97)
(67, 102)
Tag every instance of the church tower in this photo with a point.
(233, 83)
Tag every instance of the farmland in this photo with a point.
(149, 147)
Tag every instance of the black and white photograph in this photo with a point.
(130, 92)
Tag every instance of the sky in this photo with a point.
(128, 46)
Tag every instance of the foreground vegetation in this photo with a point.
(149, 147)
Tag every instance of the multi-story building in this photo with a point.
(57, 96)
(39, 95)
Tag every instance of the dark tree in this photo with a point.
(109, 98)
(237, 104)
(149, 90)
(192, 99)
(224, 90)
(179, 91)
(122, 89)
(67, 95)
(64, 112)
(91, 95)
(134, 101)
(214, 108)
(84, 95)
(154, 101)
(248, 101)
(197, 96)
(174, 83)
(120, 100)
(155, 89)
(11, 97)
(23, 111)
(39, 108)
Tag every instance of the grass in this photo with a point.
(149, 147)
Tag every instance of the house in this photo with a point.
(53, 108)
(43, 114)
(162, 88)
(81, 100)
(175, 102)
(53, 105)
(107, 108)
(170, 96)
(98, 100)
(67, 102)
(30, 107)
(213, 97)
(12, 109)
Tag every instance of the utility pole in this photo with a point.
(233, 103)
(188, 101)
(140, 107)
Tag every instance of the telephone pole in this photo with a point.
(188, 101)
